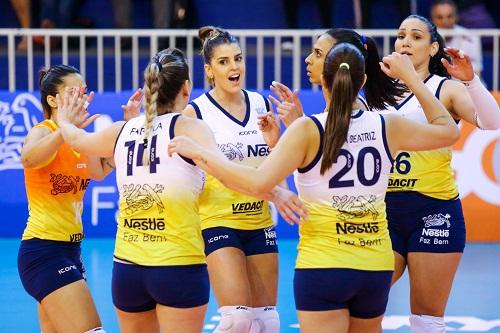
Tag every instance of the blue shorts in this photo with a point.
(418, 223)
(251, 242)
(45, 265)
(139, 288)
(363, 293)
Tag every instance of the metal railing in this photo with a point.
(257, 40)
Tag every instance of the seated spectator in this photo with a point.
(444, 15)
(57, 13)
(167, 14)
(365, 6)
(22, 9)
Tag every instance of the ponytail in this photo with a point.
(380, 90)
(339, 116)
(343, 75)
(151, 87)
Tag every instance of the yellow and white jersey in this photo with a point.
(347, 226)
(158, 222)
(55, 194)
(241, 142)
(427, 172)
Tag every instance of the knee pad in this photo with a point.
(96, 330)
(236, 319)
(427, 324)
(268, 319)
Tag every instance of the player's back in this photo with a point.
(347, 226)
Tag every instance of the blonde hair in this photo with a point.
(164, 77)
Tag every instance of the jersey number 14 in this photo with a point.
(153, 159)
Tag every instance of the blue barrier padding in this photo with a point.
(19, 111)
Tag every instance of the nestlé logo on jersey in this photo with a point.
(65, 184)
(145, 223)
(258, 150)
(248, 207)
(357, 228)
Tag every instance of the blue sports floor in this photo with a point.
(474, 305)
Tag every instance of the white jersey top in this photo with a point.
(158, 223)
(242, 142)
(347, 226)
(427, 172)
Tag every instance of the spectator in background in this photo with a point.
(57, 13)
(291, 8)
(403, 6)
(162, 17)
(444, 15)
(162, 13)
(476, 14)
(22, 9)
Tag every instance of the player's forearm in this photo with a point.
(237, 177)
(488, 111)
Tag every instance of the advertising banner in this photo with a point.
(476, 162)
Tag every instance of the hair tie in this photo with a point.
(363, 39)
(213, 34)
(158, 63)
(145, 143)
(344, 65)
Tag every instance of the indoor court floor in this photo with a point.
(474, 305)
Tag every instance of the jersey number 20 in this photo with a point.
(337, 181)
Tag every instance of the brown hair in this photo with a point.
(343, 73)
(210, 38)
(50, 80)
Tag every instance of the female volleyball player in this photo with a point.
(425, 216)
(56, 176)
(379, 90)
(159, 247)
(240, 237)
(343, 159)
(158, 250)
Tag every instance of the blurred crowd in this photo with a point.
(167, 14)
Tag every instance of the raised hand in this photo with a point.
(289, 206)
(133, 107)
(72, 108)
(269, 125)
(398, 66)
(288, 106)
(281, 91)
(460, 66)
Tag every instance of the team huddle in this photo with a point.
(376, 190)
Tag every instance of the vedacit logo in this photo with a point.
(247, 207)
